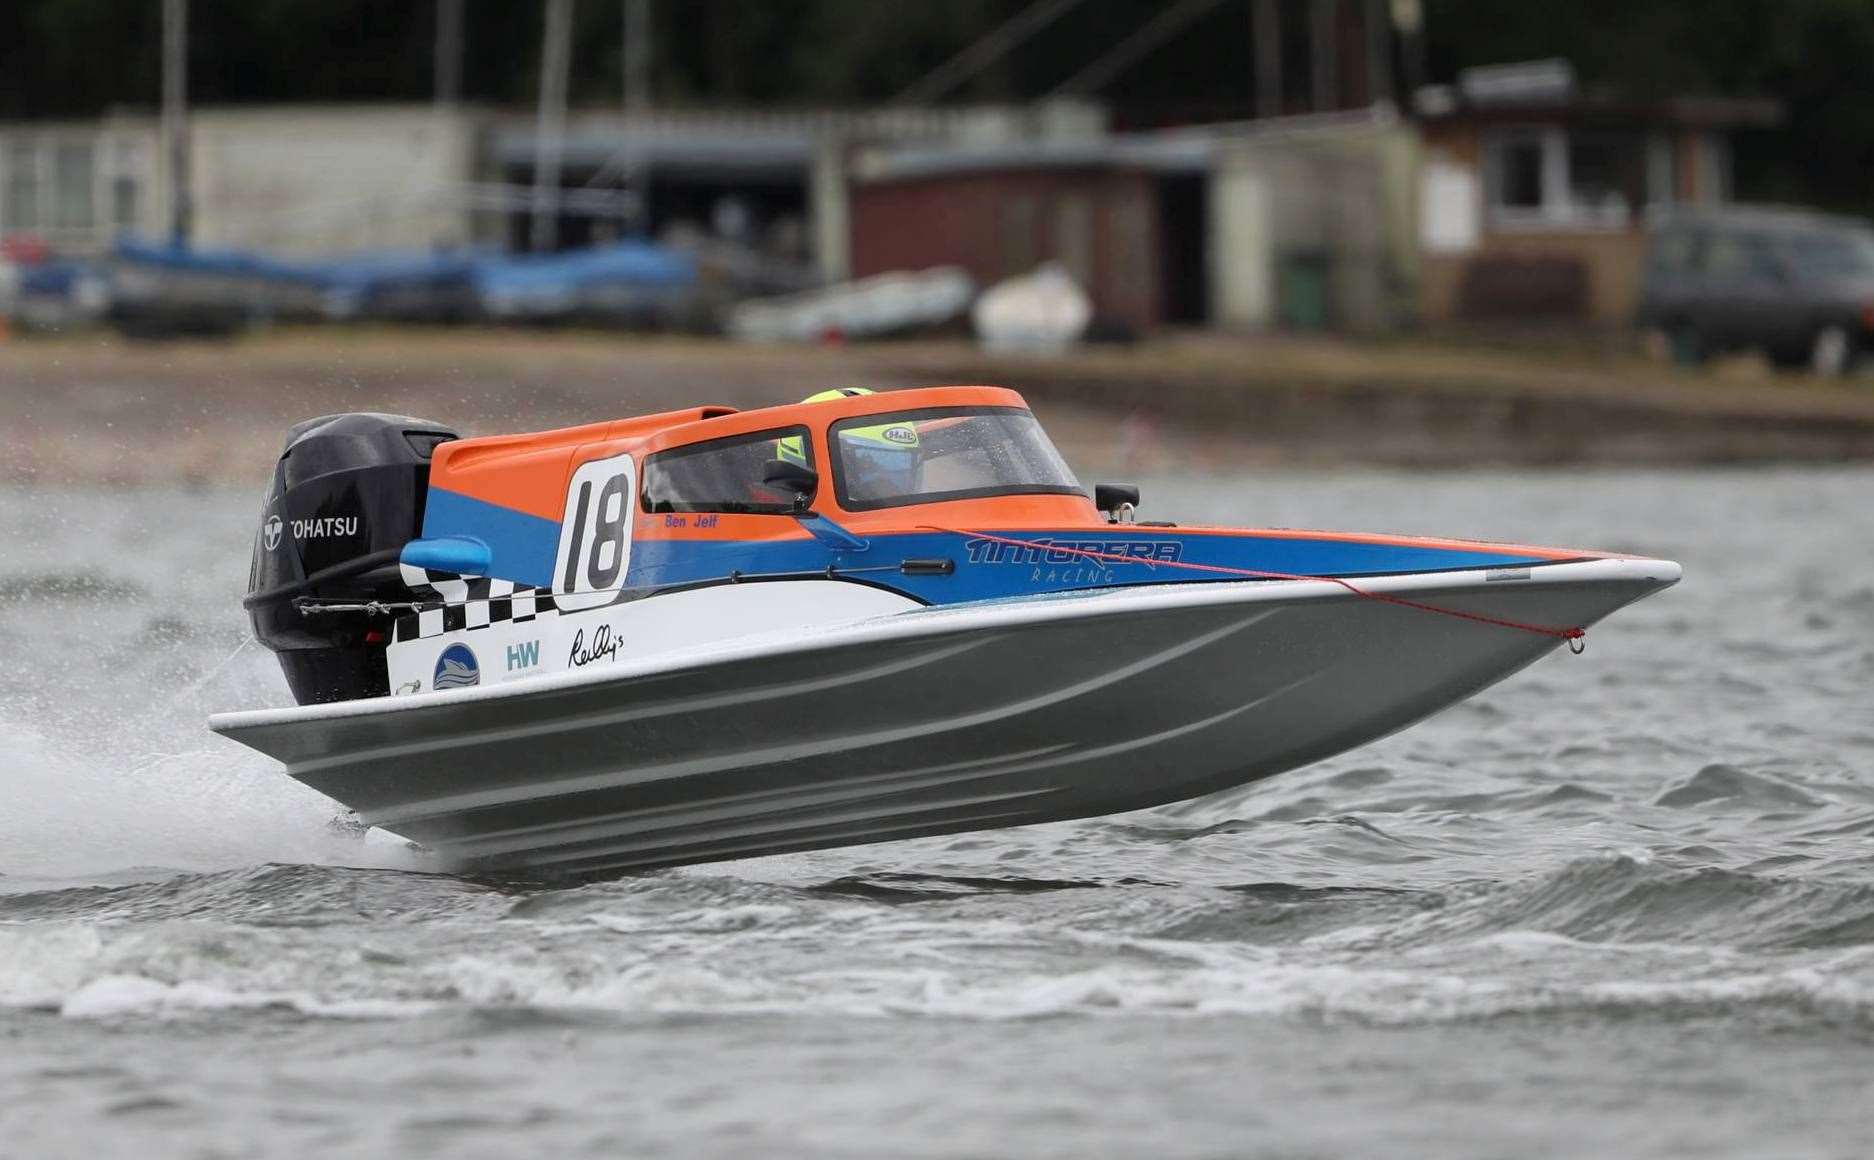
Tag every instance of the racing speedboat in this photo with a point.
(713, 633)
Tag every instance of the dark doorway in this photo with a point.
(1183, 216)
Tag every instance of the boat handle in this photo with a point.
(928, 567)
(340, 571)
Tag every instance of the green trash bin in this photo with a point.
(1302, 289)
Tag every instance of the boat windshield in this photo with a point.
(944, 453)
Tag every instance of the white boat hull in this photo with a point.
(925, 722)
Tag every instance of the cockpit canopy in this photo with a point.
(943, 453)
(881, 460)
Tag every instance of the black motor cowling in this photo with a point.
(348, 493)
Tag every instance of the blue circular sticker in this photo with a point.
(457, 668)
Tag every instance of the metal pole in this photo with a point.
(448, 52)
(175, 124)
(637, 58)
(984, 52)
(637, 69)
(1324, 37)
(550, 126)
(1135, 47)
(1266, 30)
(1380, 34)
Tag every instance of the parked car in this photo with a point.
(1797, 285)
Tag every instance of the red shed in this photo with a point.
(1129, 229)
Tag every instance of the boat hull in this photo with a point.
(926, 722)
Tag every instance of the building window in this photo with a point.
(20, 163)
(124, 202)
(74, 176)
(1553, 178)
(1518, 164)
(1606, 176)
(126, 185)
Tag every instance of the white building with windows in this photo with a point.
(302, 179)
(311, 179)
(1510, 196)
(73, 184)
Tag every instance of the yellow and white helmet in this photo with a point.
(894, 436)
(838, 393)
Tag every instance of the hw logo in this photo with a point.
(524, 655)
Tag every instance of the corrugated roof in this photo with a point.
(1186, 150)
(1187, 155)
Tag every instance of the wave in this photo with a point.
(1731, 786)
(275, 894)
(1624, 899)
(57, 970)
(1611, 935)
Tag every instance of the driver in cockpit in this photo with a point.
(879, 462)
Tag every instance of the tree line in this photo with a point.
(77, 58)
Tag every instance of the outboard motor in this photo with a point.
(347, 495)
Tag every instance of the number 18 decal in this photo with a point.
(595, 534)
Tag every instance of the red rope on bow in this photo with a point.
(1574, 636)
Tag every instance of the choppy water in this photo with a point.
(1622, 904)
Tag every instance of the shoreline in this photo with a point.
(95, 408)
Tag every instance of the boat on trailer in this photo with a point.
(711, 633)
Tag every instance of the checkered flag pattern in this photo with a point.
(453, 602)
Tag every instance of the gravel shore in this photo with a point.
(99, 410)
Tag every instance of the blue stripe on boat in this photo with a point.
(522, 546)
(990, 571)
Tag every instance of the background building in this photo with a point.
(1329, 192)
(1534, 195)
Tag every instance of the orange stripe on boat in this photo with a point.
(529, 473)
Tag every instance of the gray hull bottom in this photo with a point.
(928, 722)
